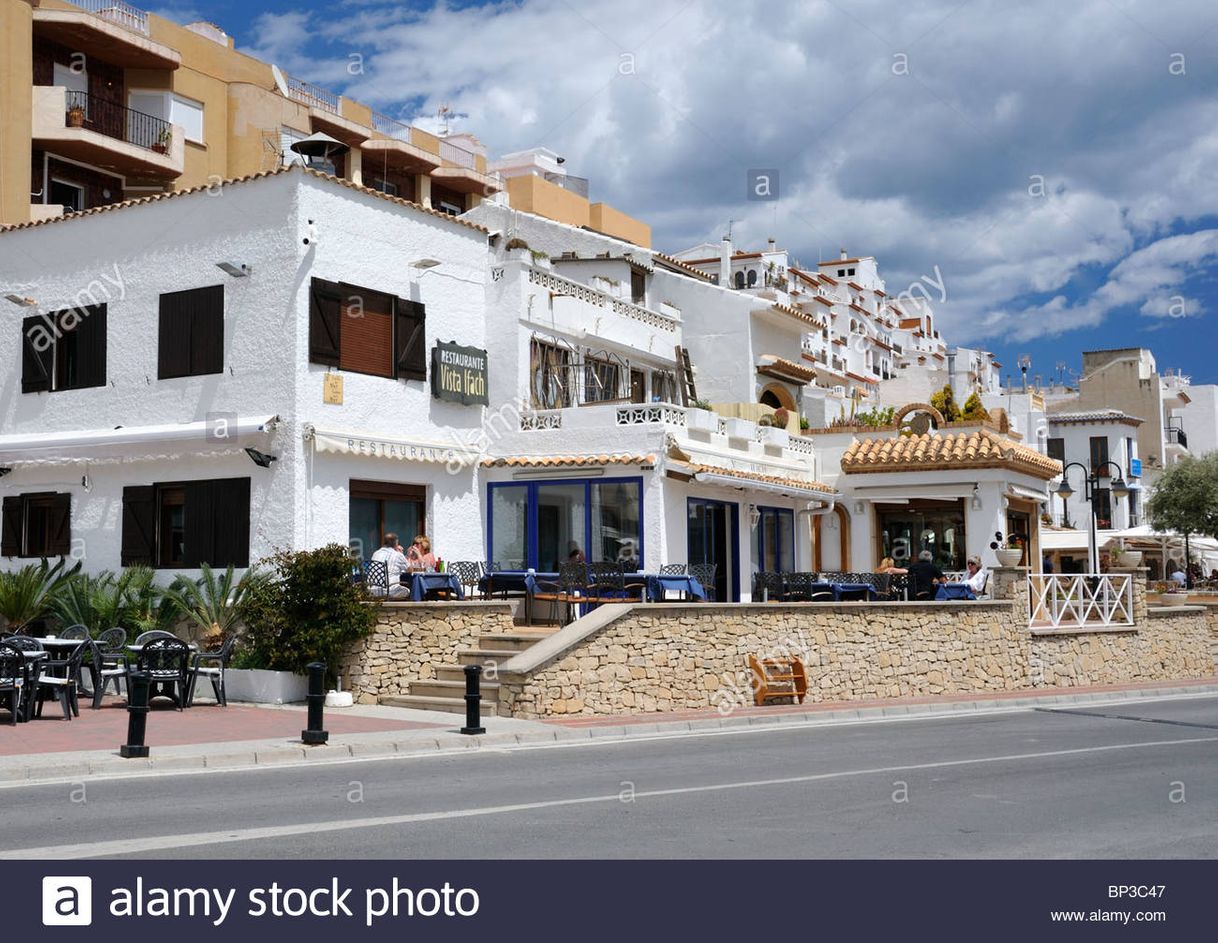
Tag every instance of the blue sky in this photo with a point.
(1057, 164)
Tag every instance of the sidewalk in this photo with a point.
(207, 737)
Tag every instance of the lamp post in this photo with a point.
(1091, 485)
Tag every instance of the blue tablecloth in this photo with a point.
(423, 583)
(954, 591)
(837, 589)
(659, 584)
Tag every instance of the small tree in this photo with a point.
(945, 402)
(308, 609)
(1186, 497)
(973, 408)
(876, 418)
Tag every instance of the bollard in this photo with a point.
(317, 702)
(473, 700)
(137, 716)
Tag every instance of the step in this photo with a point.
(457, 673)
(480, 656)
(451, 689)
(450, 705)
(513, 641)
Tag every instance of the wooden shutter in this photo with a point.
(325, 322)
(91, 347)
(199, 514)
(35, 363)
(367, 332)
(173, 341)
(60, 526)
(11, 526)
(207, 331)
(139, 526)
(231, 516)
(410, 340)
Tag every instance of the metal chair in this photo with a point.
(166, 661)
(704, 573)
(468, 574)
(799, 587)
(104, 667)
(145, 637)
(607, 583)
(673, 569)
(564, 591)
(212, 665)
(59, 678)
(14, 680)
(768, 587)
(376, 577)
(78, 632)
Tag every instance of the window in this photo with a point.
(638, 386)
(663, 387)
(849, 271)
(64, 350)
(1099, 455)
(187, 523)
(378, 508)
(71, 196)
(937, 526)
(740, 279)
(1103, 508)
(601, 381)
(446, 200)
(841, 273)
(366, 331)
(288, 137)
(550, 366)
(36, 525)
(384, 186)
(540, 524)
(191, 338)
(1056, 449)
(638, 286)
(752, 279)
(775, 540)
(189, 114)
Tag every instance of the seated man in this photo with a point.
(924, 575)
(978, 576)
(396, 564)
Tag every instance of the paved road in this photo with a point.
(1065, 783)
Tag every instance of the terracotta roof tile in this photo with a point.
(780, 365)
(979, 449)
(567, 461)
(756, 476)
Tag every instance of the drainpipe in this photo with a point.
(812, 512)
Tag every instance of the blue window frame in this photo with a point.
(774, 550)
(540, 524)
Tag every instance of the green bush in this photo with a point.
(306, 609)
(973, 409)
(945, 402)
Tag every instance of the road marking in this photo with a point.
(1070, 712)
(144, 845)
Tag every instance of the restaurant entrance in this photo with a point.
(713, 534)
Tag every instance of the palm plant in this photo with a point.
(146, 606)
(92, 601)
(214, 601)
(28, 594)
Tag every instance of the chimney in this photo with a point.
(725, 262)
(844, 256)
(773, 246)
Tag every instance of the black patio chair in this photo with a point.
(59, 678)
(376, 577)
(607, 583)
(27, 643)
(212, 666)
(145, 637)
(768, 586)
(14, 680)
(674, 569)
(567, 589)
(78, 632)
(800, 587)
(704, 573)
(468, 574)
(106, 666)
(166, 662)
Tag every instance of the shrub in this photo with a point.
(27, 594)
(214, 603)
(306, 609)
(877, 418)
(945, 402)
(973, 408)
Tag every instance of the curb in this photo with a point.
(231, 757)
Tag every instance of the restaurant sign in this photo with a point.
(458, 374)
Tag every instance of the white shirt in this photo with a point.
(1180, 578)
(395, 563)
(976, 582)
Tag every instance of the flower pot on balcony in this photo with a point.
(1174, 599)
(1009, 556)
(76, 117)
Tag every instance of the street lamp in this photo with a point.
(1091, 485)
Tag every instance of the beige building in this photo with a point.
(101, 102)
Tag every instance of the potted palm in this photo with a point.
(28, 594)
(76, 116)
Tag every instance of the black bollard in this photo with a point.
(137, 715)
(317, 703)
(473, 700)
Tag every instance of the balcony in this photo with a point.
(397, 150)
(581, 311)
(107, 30)
(576, 185)
(1176, 437)
(95, 131)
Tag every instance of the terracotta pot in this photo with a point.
(76, 118)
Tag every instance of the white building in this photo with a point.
(1105, 443)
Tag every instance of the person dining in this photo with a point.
(925, 576)
(889, 565)
(419, 556)
(390, 553)
(977, 575)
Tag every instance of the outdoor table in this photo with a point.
(136, 649)
(51, 641)
(954, 591)
(660, 584)
(837, 589)
(423, 583)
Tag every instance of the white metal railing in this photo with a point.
(313, 95)
(458, 155)
(391, 127)
(117, 12)
(1080, 600)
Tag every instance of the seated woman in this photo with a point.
(419, 556)
(977, 575)
(889, 565)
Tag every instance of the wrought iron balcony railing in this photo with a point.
(116, 121)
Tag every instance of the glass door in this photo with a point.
(713, 531)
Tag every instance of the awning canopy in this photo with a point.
(751, 481)
(379, 446)
(83, 444)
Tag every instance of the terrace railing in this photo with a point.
(1079, 600)
(116, 121)
(458, 155)
(391, 127)
(313, 95)
(117, 12)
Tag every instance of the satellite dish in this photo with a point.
(281, 83)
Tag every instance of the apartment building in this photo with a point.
(101, 102)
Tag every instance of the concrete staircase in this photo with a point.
(446, 692)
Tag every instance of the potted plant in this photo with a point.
(1171, 593)
(782, 417)
(1010, 554)
(804, 424)
(699, 415)
(161, 146)
(76, 116)
(1120, 557)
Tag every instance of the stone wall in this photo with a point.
(664, 657)
(411, 638)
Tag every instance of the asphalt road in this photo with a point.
(1123, 781)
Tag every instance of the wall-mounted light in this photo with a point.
(754, 516)
(235, 270)
(976, 502)
(21, 301)
(261, 459)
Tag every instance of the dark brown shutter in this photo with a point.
(36, 363)
(207, 331)
(60, 526)
(410, 340)
(325, 322)
(139, 526)
(91, 347)
(199, 515)
(11, 526)
(173, 341)
(231, 531)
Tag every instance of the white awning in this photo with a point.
(379, 446)
(50, 447)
